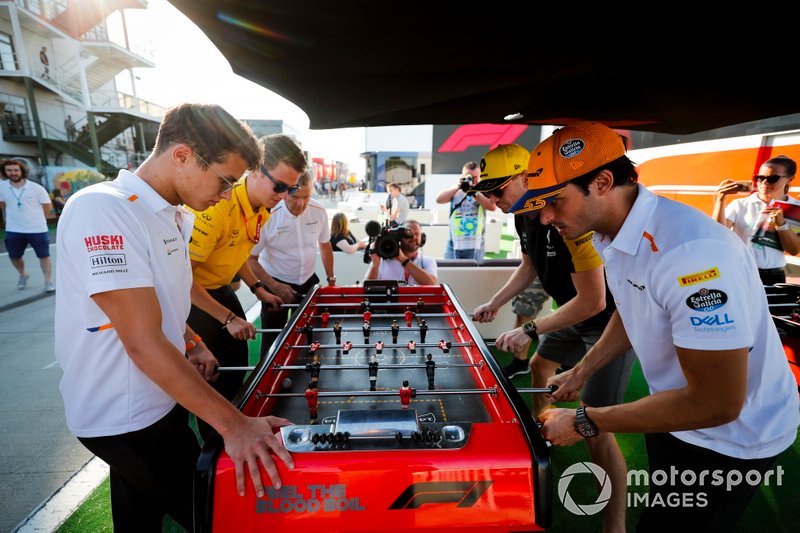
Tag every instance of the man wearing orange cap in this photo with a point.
(689, 300)
(571, 271)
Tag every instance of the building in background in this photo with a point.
(86, 46)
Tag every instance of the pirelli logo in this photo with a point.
(698, 277)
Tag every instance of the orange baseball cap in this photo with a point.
(568, 153)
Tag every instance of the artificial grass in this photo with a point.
(773, 508)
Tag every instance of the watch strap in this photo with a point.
(257, 285)
(584, 425)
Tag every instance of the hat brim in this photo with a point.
(536, 199)
(489, 185)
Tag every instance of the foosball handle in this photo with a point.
(553, 388)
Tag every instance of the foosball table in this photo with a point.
(402, 420)
(784, 306)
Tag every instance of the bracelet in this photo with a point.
(257, 285)
(194, 341)
(783, 227)
(229, 319)
(406, 261)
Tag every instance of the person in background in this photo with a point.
(58, 202)
(222, 238)
(467, 216)
(285, 258)
(722, 397)
(744, 216)
(397, 207)
(45, 62)
(131, 365)
(69, 127)
(342, 240)
(409, 264)
(571, 271)
(26, 205)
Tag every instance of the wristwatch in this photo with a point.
(332, 279)
(583, 425)
(529, 329)
(257, 285)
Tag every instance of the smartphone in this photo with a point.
(744, 186)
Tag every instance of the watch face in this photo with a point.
(586, 429)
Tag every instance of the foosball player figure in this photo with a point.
(337, 331)
(411, 345)
(314, 368)
(395, 331)
(379, 347)
(445, 346)
(367, 316)
(365, 303)
(313, 348)
(430, 369)
(311, 398)
(346, 347)
(420, 305)
(308, 329)
(373, 371)
(409, 314)
(423, 330)
(405, 395)
(365, 329)
(325, 316)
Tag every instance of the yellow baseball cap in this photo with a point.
(500, 165)
(568, 153)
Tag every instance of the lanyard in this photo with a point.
(19, 198)
(257, 236)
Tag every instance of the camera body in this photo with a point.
(386, 239)
(465, 183)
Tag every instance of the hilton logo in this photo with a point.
(105, 260)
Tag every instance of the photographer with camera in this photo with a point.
(467, 216)
(395, 255)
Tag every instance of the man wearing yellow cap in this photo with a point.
(689, 300)
(571, 271)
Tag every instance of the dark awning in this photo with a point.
(385, 62)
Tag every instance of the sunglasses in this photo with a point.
(225, 185)
(499, 191)
(279, 186)
(770, 179)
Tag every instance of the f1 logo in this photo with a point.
(481, 135)
(464, 493)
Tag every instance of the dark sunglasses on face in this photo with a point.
(770, 179)
(279, 186)
(497, 193)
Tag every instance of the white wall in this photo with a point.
(400, 139)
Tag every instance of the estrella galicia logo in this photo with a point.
(713, 320)
(571, 147)
(706, 300)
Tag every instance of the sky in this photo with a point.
(189, 68)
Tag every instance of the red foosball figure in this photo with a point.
(405, 395)
(325, 316)
(379, 347)
(409, 314)
(445, 346)
(411, 345)
(367, 316)
(346, 347)
(311, 398)
(313, 348)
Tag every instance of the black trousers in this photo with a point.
(228, 350)
(151, 473)
(711, 508)
(771, 276)
(277, 319)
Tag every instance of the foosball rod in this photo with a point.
(394, 392)
(330, 330)
(379, 304)
(383, 295)
(353, 367)
(385, 346)
(387, 315)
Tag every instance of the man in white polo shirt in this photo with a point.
(690, 302)
(285, 257)
(121, 336)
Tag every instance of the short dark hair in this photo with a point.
(210, 131)
(622, 168)
(21, 164)
(279, 147)
(785, 161)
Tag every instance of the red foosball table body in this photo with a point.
(784, 306)
(454, 448)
